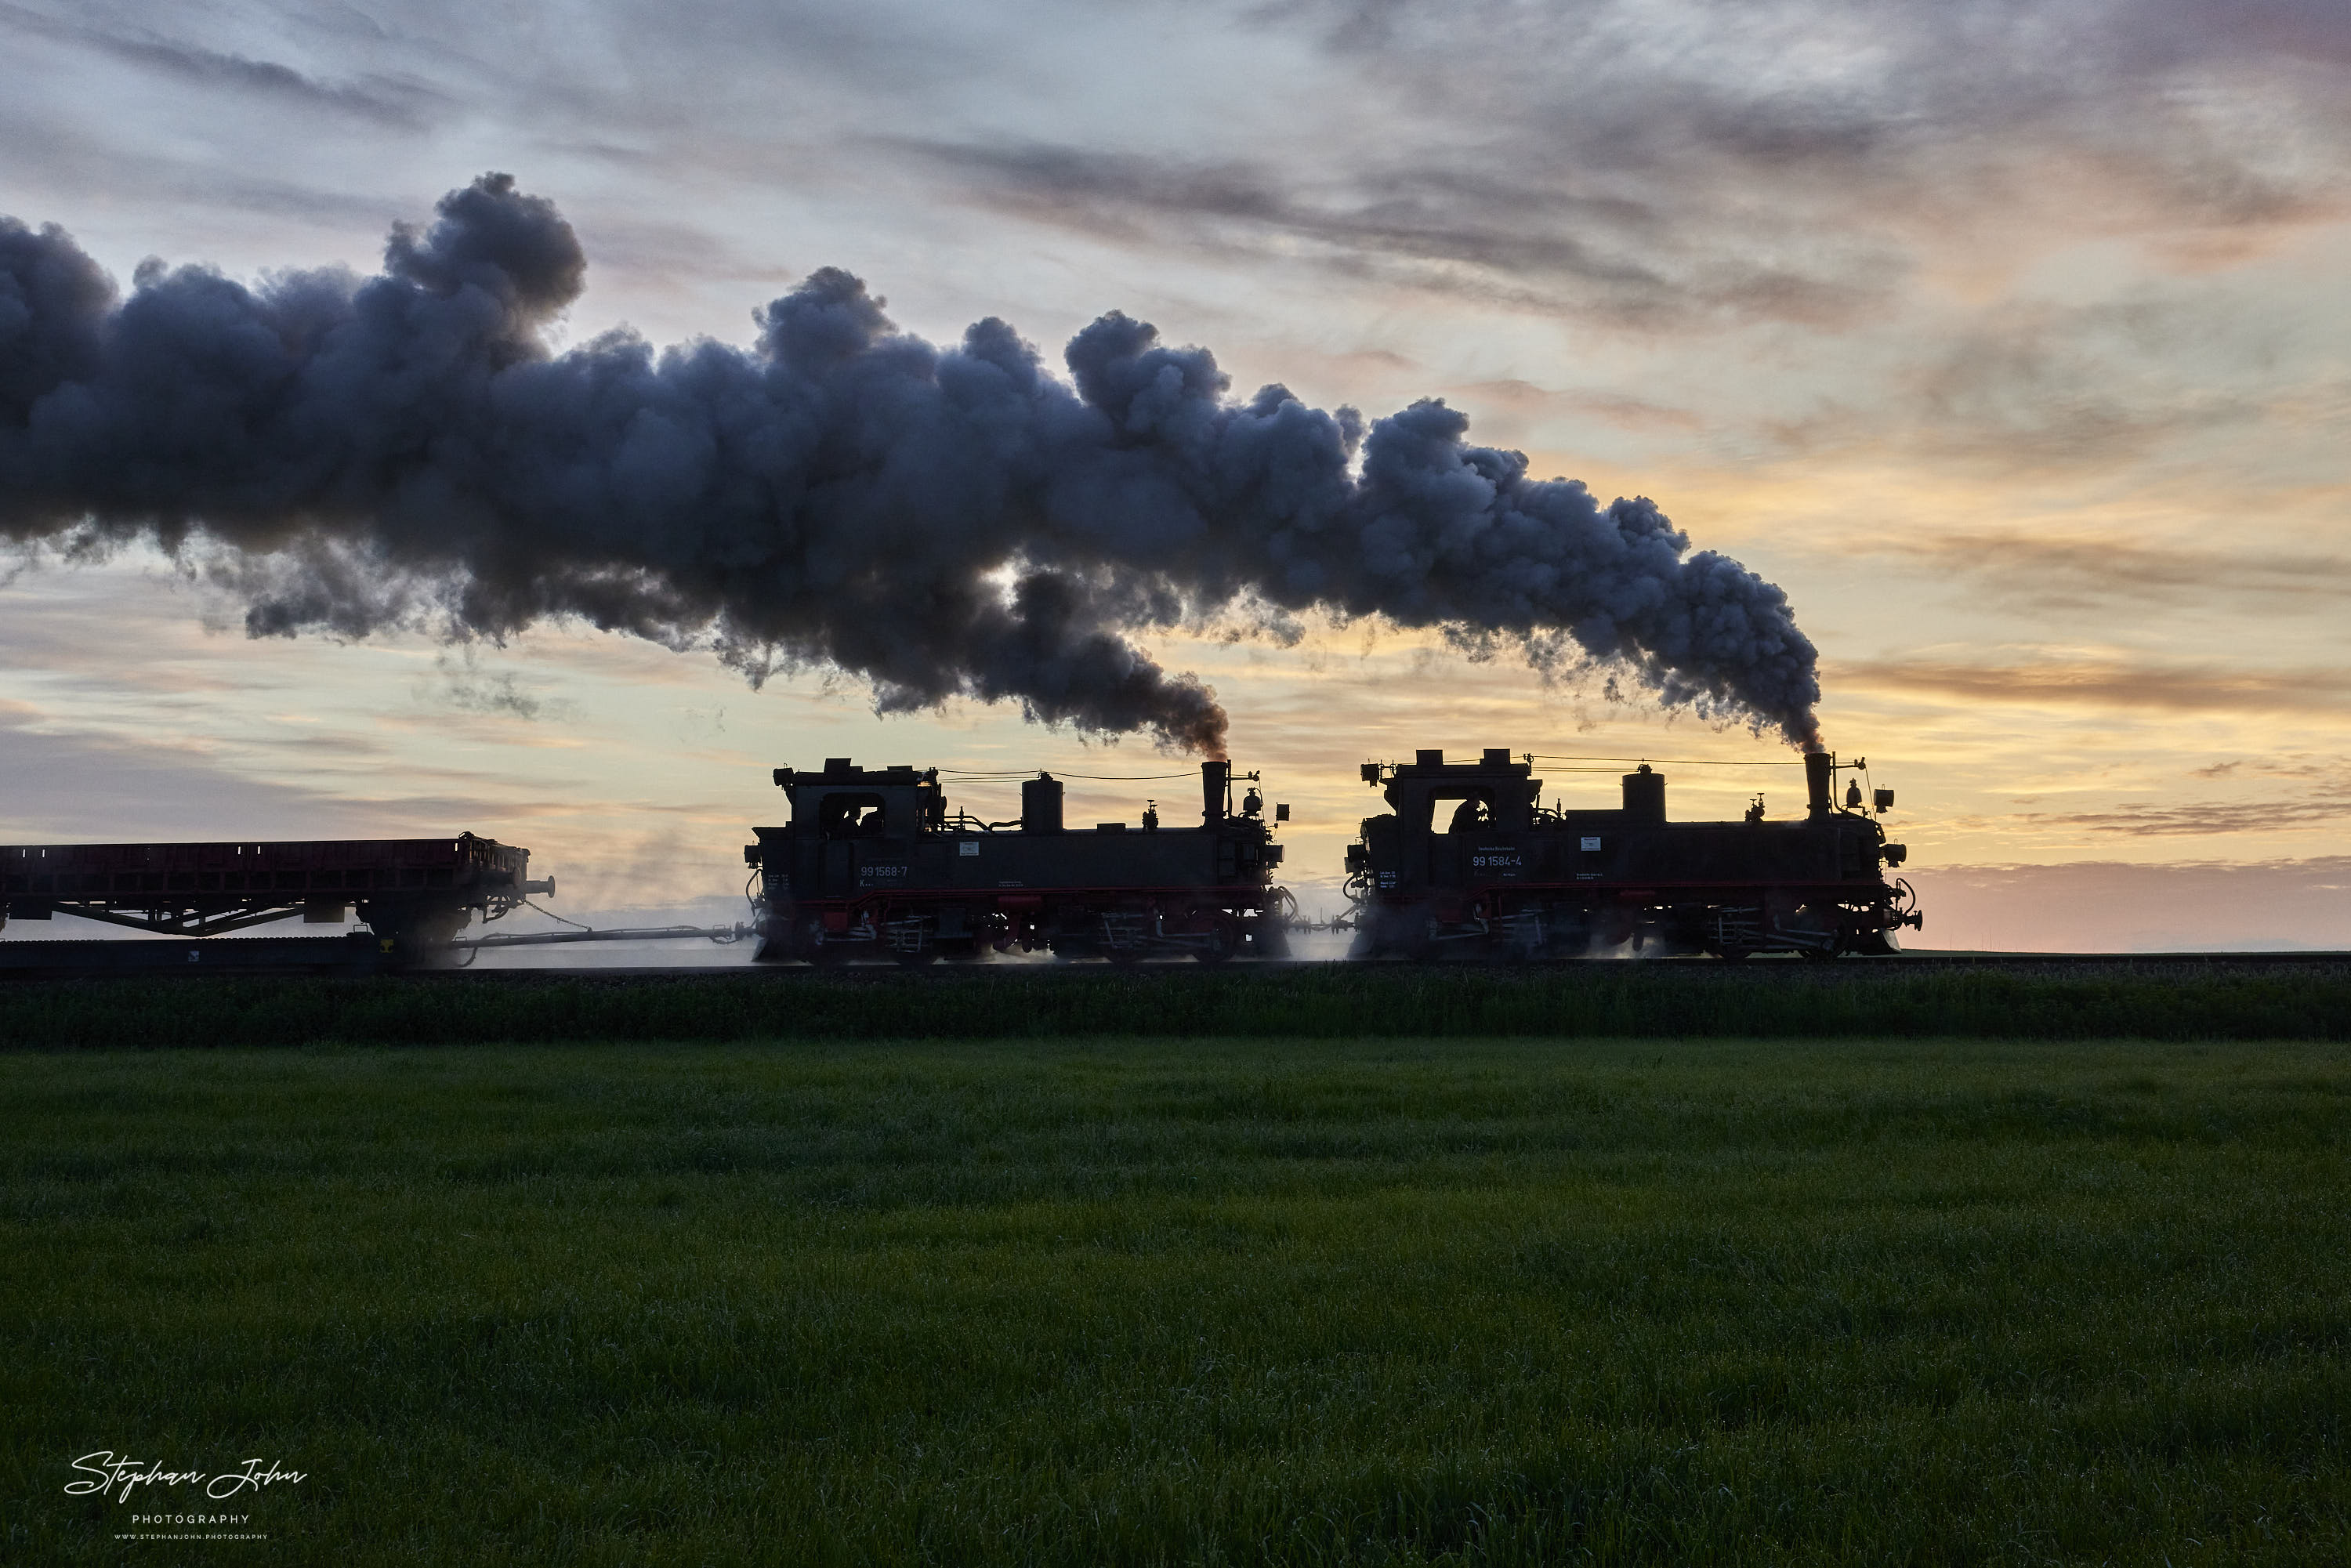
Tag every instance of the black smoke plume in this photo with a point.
(351, 453)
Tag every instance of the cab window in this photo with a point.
(846, 815)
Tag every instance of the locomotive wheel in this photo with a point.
(1818, 954)
(813, 947)
(915, 959)
(1224, 941)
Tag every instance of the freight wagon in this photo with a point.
(414, 893)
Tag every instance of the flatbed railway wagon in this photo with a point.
(413, 893)
(872, 863)
(1466, 858)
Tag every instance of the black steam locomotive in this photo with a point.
(1467, 858)
(872, 863)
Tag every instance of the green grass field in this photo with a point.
(1141, 1301)
(1781, 999)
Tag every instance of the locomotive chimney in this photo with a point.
(1645, 796)
(1041, 804)
(1820, 769)
(1216, 783)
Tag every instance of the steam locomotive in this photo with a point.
(1502, 874)
(872, 863)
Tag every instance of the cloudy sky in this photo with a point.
(2010, 339)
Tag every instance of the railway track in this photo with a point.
(359, 957)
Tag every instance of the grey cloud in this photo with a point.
(1734, 135)
(2169, 370)
(155, 177)
(1614, 408)
(402, 105)
(2052, 573)
(880, 46)
(2109, 684)
(1660, 165)
(61, 785)
(2316, 793)
(2039, 382)
(1524, 237)
(2196, 820)
(1650, 164)
(1842, 88)
(1647, 164)
(2298, 766)
(662, 253)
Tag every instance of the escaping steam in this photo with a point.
(351, 454)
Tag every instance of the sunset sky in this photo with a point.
(2012, 340)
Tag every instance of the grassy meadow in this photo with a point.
(1093, 1300)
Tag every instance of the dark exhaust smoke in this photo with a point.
(351, 453)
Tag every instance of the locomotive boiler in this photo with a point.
(873, 863)
(1467, 859)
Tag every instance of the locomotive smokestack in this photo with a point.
(1041, 804)
(408, 449)
(1216, 783)
(1645, 796)
(1820, 770)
